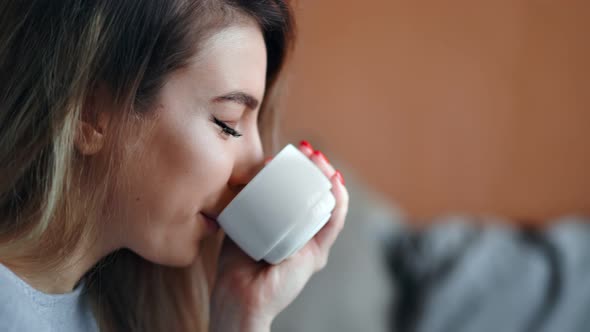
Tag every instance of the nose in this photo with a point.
(249, 161)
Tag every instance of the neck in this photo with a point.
(64, 276)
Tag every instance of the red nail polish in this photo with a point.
(321, 155)
(306, 144)
(339, 176)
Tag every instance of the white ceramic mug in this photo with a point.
(281, 209)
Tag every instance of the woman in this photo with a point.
(125, 128)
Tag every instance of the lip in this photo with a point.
(211, 221)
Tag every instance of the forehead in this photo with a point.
(232, 59)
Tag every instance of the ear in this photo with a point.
(93, 124)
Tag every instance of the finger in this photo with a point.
(327, 235)
(231, 255)
(306, 148)
(322, 162)
(229, 251)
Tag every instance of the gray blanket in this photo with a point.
(458, 277)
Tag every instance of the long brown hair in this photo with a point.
(53, 56)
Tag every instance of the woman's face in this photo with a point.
(185, 166)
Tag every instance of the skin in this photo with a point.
(183, 167)
(194, 168)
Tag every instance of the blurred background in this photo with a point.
(450, 106)
(434, 110)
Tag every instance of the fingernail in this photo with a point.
(339, 176)
(321, 155)
(267, 160)
(306, 144)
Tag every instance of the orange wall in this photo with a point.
(450, 106)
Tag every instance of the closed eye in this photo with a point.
(225, 128)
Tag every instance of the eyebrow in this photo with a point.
(239, 97)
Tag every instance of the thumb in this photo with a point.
(232, 255)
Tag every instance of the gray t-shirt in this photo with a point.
(23, 308)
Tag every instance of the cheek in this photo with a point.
(177, 174)
(208, 166)
(189, 165)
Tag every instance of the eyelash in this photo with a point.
(227, 130)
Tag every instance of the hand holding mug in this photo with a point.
(289, 215)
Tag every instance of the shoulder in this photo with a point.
(23, 308)
(17, 310)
